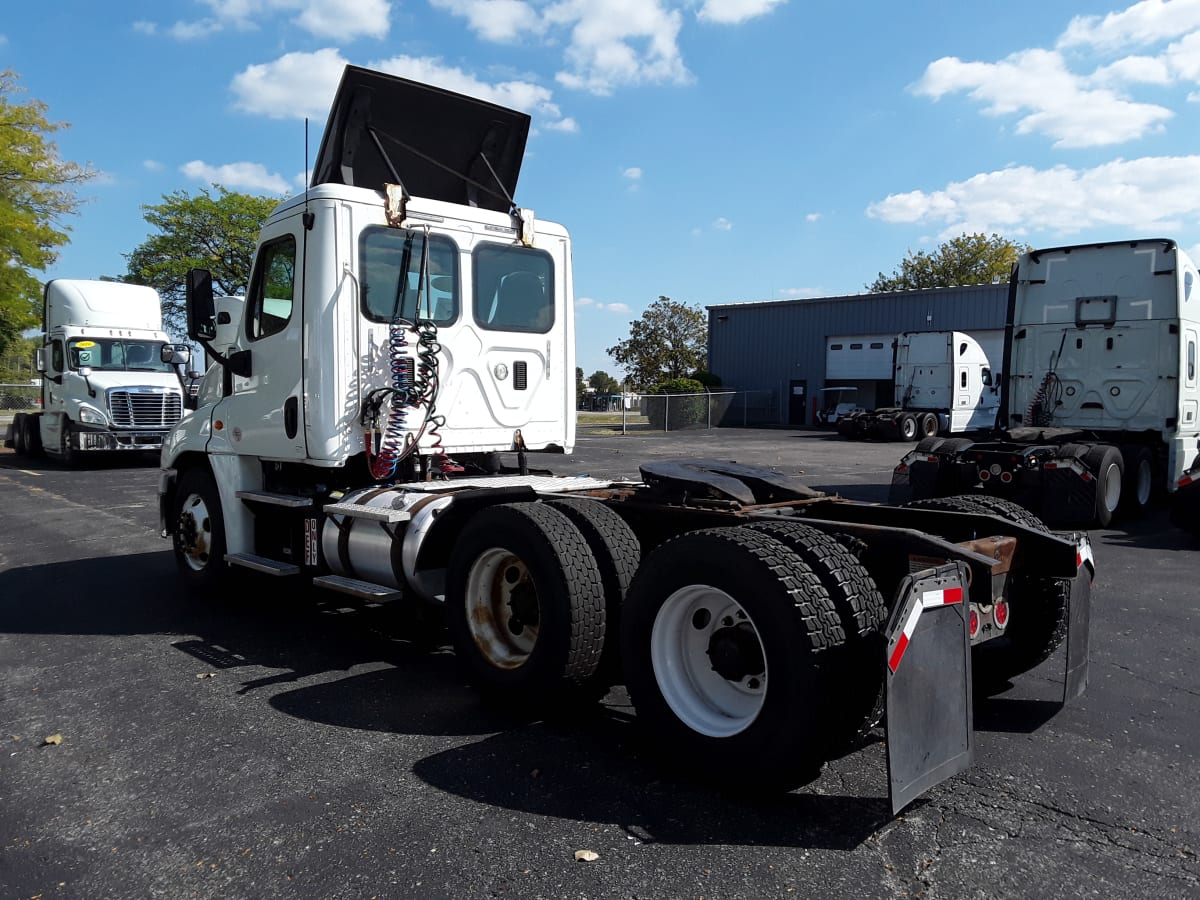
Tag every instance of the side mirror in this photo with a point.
(201, 309)
(175, 354)
(39, 360)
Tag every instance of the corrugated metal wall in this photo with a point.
(766, 346)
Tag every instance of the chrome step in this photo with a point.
(364, 590)
(262, 564)
(372, 513)
(273, 499)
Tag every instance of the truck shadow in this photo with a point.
(306, 658)
(87, 463)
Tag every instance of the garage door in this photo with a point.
(858, 357)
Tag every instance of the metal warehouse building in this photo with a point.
(783, 352)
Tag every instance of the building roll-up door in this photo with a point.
(859, 357)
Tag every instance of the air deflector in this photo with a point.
(383, 128)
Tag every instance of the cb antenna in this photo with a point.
(308, 218)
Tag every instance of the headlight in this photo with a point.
(92, 416)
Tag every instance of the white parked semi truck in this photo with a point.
(105, 384)
(1101, 403)
(406, 351)
(946, 382)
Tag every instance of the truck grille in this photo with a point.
(145, 409)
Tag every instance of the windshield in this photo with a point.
(116, 355)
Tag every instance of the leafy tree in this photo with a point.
(670, 340)
(966, 259)
(16, 362)
(216, 232)
(580, 386)
(604, 383)
(37, 191)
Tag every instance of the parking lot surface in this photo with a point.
(277, 743)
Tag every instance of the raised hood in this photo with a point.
(383, 128)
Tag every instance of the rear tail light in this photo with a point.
(1000, 614)
(984, 474)
(1006, 477)
(974, 622)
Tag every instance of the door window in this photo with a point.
(273, 290)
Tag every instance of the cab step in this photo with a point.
(364, 590)
(370, 513)
(271, 498)
(262, 564)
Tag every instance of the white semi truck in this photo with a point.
(946, 382)
(406, 350)
(105, 384)
(1101, 403)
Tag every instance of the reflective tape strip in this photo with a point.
(931, 599)
(902, 644)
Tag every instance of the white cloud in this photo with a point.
(722, 224)
(734, 12)
(345, 20)
(496, 20)
(812, 217)
(1146, 194)
(1142, 23)
(619, 308)
(303, 84)
(1036, 85)
(294, 86)
(239, 175)
(342, 20)
(152, 165)
(633, 173)
(800, 293)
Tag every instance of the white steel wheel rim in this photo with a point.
(197, 542)
(1112, 487)
(703, 699)
(1142, 483)
(498, 587)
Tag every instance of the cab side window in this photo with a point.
(56, 356)
(272, 291)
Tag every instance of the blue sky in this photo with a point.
(714, 151)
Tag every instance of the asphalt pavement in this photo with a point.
(273, 742)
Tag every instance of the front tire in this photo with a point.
(69, 455)
(724, 636)
(525, 604)
(199, 531)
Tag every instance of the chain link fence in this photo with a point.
(20, 397)
(680, 412)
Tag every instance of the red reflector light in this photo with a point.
(1013, 459)
(1050, 465)
(1006, 477)
(902, 468)
(931, 459)
(1086, 476)
(1185, 480)
(984, 474)
(1000, 613)
(974, 623)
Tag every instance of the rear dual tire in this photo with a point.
(732, 648)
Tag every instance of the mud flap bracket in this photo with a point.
(1079, 612)
(929, 711)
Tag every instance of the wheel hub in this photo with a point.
(736, 653)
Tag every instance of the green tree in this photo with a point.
(966, 259)
(216, 231)
(604, 383)
(670, 340)
(37, 192)
(16, 362)
(580, 385)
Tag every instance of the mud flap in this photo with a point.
(1079, 621)
(929, 711)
